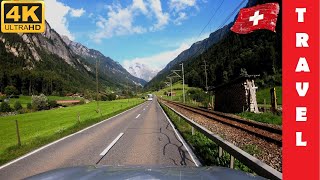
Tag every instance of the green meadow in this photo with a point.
(42, 127)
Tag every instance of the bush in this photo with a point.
(39, 102)
(17, 106)
(29, 106)
(53, 104)
(82, 101)
(112, 97)
(198, 95)
(11, 90)
(104, 98)
(5, 107)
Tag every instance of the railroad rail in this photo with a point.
(250, 161)
(264, 131)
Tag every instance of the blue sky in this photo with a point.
(150, 32)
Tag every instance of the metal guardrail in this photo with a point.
(253, 163)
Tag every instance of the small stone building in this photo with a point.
(237, 96)
(169, 94)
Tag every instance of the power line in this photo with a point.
(211, 18)
(232, 13)
(226, 20)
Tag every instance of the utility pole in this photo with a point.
(184, 95)
(97, 80)
(128, 88)
(206, 74)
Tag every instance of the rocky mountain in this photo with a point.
(142, 71)
(108, 66)
(49, 63)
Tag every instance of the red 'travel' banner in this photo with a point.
(257, 17)
(300, 135)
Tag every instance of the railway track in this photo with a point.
(261, 130)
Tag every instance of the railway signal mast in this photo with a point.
(174, 72)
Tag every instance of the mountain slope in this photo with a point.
(108, 67)
(226, 54)
(44, 63)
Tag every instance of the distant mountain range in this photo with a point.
(142, 71)
(51, 63)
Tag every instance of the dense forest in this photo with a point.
(257, 53)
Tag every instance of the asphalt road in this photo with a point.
(140, 136)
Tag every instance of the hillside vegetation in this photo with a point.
(257, 53)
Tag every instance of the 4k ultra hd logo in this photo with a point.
(22, 17)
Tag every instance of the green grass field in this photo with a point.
(178, 89)
(263, 117)
(39, 128)
(265, 94)
(24, 100)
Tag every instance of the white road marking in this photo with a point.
(144, 109)
(104, 152)
(43, 147)
(138, 116)
(192, 155)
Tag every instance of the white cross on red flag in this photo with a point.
(257, 17)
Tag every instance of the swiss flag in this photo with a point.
(257, 17)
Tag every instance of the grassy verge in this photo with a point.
(43, 127)
(262, 117)
(265, 94)
(205, 149)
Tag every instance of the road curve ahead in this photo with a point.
(141, 136)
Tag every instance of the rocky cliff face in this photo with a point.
(108, 66)
(34, 49)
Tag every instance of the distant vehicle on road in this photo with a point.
(150, 97)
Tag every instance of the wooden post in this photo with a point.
(18, 133)
(220, 152)
(264, 105)
(212, 103)
(273, 97)
(231, 162)
(78, 117)
(192, 130)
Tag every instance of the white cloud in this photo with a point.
(77, 12)
(158, 61)
(162, 18)
(147, 67)
(179, 5)
(140, 5)
(119, 21)
(56, 15)
(181, 17)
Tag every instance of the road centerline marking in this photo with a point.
(138, 116)
(105, 151)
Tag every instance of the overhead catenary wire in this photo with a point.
(221, 25)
